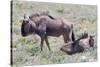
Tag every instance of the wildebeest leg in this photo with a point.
(46, 40)
(42, 40)
(42, 32)
(66, 37)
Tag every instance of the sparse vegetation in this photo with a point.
(26, 50)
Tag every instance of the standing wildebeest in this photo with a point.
(84, 42)
(44, 26)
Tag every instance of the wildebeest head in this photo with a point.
(27, 27)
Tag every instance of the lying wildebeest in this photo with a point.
(44, 26)
(84, 42)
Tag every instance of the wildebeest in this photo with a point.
(84, 42)
(44, 26)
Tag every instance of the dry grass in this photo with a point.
(26, 50)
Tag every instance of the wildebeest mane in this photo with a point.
(41, 14)
(34, 15)
(84, 35)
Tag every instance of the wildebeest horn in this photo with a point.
(25, 16)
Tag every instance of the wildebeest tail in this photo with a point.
(73, 36)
